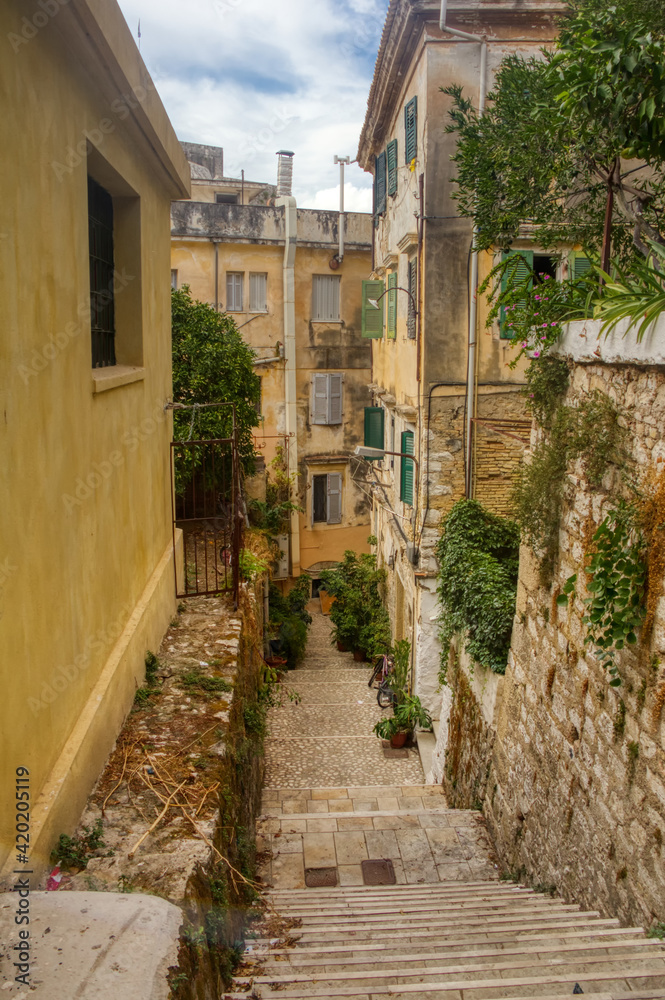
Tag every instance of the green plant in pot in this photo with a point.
(408, 714)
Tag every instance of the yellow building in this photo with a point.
(277, 270)
(443, 389)
(91, 165)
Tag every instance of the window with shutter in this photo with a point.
(411, 130)
(174, 279)
(391, 164)
(327, 398)
(258, 292)
(374, 428)
(334, 498)
(234, 281)
(406, 469)
(580, 265)
(413, 298)
(514, 273)
(380, 183)
(334, 399)
(319, 498)
(372, 315)
(320, 399)
(391, 324)
(325, 298)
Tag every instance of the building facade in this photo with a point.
(458, 409)
(276, 269)
(92, 165)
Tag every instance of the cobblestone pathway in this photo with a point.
(327, 739)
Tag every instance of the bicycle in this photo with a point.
(383, 668)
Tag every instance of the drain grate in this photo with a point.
(378, 872)
(316, 878)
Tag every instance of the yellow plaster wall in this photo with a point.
(86, 584)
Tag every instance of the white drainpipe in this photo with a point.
(288, 203)
(473, 308)
(341, 160)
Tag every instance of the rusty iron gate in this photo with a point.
(207, 508)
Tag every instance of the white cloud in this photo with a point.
(255, 76)
(355, 199)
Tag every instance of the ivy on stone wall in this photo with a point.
(478, 555)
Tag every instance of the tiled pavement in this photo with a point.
(327, 739)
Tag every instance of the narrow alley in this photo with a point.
(431, 917)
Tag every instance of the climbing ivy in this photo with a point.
(478, 555)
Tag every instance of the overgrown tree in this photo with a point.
(212, 364)
(565, 133)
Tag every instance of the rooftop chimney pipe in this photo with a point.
(284, 173)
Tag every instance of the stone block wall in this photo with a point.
(571, 771)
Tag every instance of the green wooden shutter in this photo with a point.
(412, 276)
(380, 183)
(374, 417)
(372, 318)
(580, 265)
(391, 326)
(406, 469)
(411, 130)
(391, 156)
(514, 275)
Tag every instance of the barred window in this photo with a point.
(100, 238)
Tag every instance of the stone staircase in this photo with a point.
(448, 928)
(459, 941)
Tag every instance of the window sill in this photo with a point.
(115, 376)
(327, 322)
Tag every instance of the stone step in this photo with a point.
(427, 913)
(413, 904)
(388, 970)
(473, 915)
(357, 894)
(479, 926)
(470, 987)
(297, 961)
(359, 952)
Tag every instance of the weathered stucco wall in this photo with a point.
(87, 582)
(572, 772)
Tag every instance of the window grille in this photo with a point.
(102, 313)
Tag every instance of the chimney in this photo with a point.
(284, 172)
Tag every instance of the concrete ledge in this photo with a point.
(582, 342)
(92, 946)
(115, 376)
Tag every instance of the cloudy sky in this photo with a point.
(255, 76)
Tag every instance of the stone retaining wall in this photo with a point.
(571, 771)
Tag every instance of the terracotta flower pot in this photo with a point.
(398, 740)
(359, 656)
(341, 647)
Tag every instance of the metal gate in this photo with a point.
(205, 491)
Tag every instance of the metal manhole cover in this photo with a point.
(378, 872)
(316, 878)
(393, 754)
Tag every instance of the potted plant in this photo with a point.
(409, 713)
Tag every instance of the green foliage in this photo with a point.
(546, 384)
(358, 614)
(212, 364)
(202, 682)
(289, 620)
(478, 555)
(75, 852)
(151, 668)
(636, 294)
(398, 679)
(251, 565)
(272, 515)
(657, 930)
(555, 130)
(590, 432)
(617, 586)
(408, 714)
